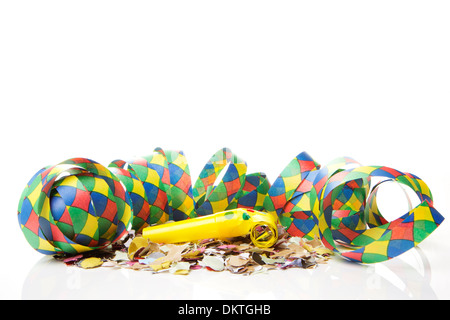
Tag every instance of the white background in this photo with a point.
(268, 79)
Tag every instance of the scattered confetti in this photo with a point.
(236, 255)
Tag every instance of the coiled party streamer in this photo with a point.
(87, 206)
(75, 206)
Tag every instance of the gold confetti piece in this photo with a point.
(315, 242)
(90, 263)
(237, 261)
(308, 247)
(299, 251)
(323, 250)
(181, 272)
(180, 268)
(160, 266)
(149, 249)
(193, 254)
(137, 244)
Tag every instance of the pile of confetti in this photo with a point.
(236, 255)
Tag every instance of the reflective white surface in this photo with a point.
(406, 278)
(108, 80)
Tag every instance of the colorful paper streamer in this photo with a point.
(75, 206)
(335, 202)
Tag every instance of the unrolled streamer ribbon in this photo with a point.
(80, 205)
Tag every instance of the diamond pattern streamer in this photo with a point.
(211, 197)
(79, 205)
(75, 206)
(388, 240)
(337, 204)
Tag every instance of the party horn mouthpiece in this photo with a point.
(261, 226)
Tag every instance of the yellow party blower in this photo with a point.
(261, 226)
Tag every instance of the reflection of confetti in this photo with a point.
(236, 255)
